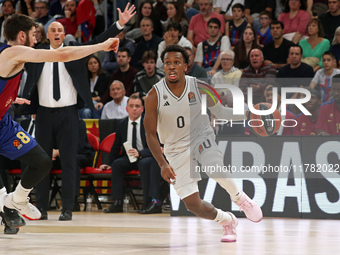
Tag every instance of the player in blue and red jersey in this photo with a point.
(15, 143)
(329, 115)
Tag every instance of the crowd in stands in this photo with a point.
(230, 39)
(264, 45)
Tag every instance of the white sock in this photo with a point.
(237, 196)
(20, 194)
(222, 216)
(3, 193)
(230, 186)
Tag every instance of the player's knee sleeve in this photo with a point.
(38, 164)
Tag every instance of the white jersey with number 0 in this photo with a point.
(180, 121)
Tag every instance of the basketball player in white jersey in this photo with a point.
(173, 108)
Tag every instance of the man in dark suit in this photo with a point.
(57, 91)
(145, 163)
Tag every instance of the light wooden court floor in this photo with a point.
(130, 233)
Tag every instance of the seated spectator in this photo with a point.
(229, 73)
(329, 114)
(235, 27)
(160, 10)
(264, 33)
(99, 82)
(145, 10)
(192, 7)
(70, 21)
(254, 8)
(306, 125)
(57, 8)
(331, 20)
(25, 7)
(208, 50)
(279, 7)
(257, 75)
(40, 35)
(248, 42)
(323, 77)
(176, 14)
(125, 73)
(315, 45)
(7, 9)
(41, 12)
(132, 129)
(318, 7)
(268, 95)
(101, 8)
(193, 69)
(147, 42)
(173, 35)
(116, 109)
(110, 63)
(295, 20)
(295, 69)
(276, 52)
(149, 76)
(335, 47)
(198, 29)
(225, 8)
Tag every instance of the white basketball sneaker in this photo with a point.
(25, 208)
(229, 229)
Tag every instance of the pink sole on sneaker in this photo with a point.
(226, 240)
(257, 221)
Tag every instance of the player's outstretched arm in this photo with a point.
(150, 124)
(22, 54)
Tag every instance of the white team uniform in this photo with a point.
(183, 129)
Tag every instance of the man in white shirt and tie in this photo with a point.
(131, 129)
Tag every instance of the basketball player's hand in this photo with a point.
(111, 44)
(168, 174)
(104, 167)
(20, 100)
(125, 16)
